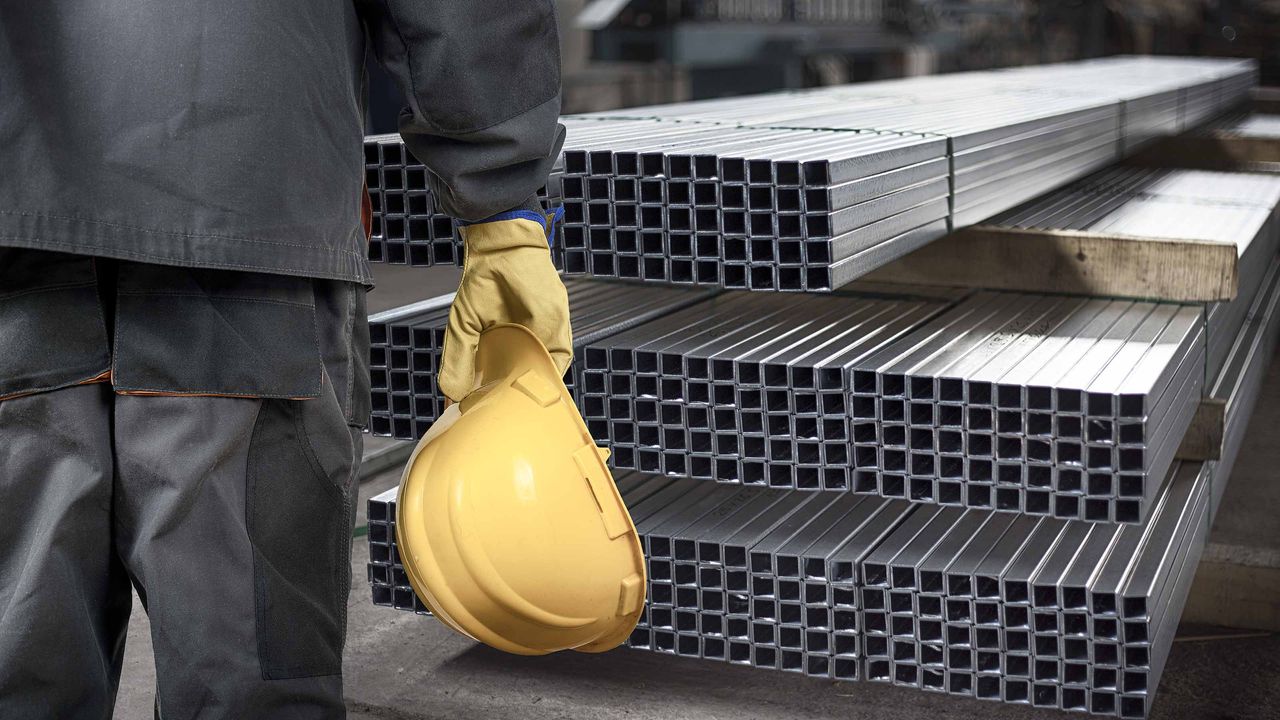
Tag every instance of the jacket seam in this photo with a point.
(159, 392)
(122, 253)
(217, 298)
(349, 347)
(408, 58)
(171, 233)
(101, 376)
(48, 288)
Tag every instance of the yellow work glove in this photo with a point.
(507, 277)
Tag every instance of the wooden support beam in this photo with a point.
(1073, 262)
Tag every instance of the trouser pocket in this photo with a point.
(52, 330)
(300, 509)
(196, 331)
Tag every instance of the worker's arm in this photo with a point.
(482, 78)
(482, 81)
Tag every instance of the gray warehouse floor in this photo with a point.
(403, 667)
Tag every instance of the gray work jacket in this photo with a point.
(228, 134)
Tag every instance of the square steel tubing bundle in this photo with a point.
(388, 583)
(747, 388)
(1038, 404)
(1226, 207)
(1045, 612)
(1009, 135)
(765, 173)
(406, 228)
(750, 208)
(1154, 91)
(1044, 405)
(406, 344)
(749, 576)
(1040, 611)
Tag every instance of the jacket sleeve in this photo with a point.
(482, 79)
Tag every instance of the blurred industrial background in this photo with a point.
(622, 53)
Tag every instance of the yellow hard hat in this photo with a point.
(508, 522)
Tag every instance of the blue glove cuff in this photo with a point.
(548, 221)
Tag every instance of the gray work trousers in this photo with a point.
(229, 513)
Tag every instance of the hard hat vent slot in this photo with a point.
(597, 477)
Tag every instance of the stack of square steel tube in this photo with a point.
(980, 604)
(1038, 404)
(807, 190)
(996, 507)
(406, 344)
(967, 601)
(750, 208)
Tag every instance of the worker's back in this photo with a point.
(227, 134)
(216, 133)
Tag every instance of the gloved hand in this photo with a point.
(507, 277)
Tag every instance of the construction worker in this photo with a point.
(183, 344)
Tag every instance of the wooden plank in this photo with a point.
(1073, 262)
(1203, 440)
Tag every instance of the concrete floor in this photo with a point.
(403, 667)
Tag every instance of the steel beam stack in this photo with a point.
(1227, 207)
(406, 344)
(1072, 615)
(750, 208)
(1009, 135)
(807, 190)
(745, 388)
(406, 229)
(1250, 125)
(1159, 96)
(388, 582)
(1043, 612)
(1045, 405)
